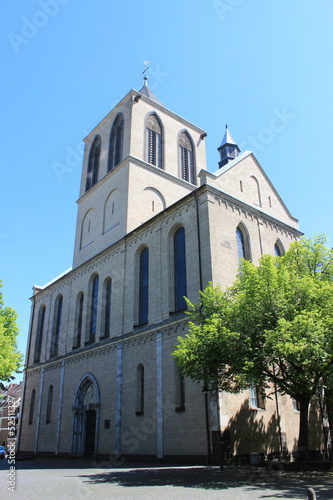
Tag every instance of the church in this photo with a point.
(153, 226)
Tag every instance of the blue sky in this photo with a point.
(262, 66)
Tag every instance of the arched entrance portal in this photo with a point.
(86, 417)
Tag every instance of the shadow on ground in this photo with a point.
(270, 483)
(282, 484)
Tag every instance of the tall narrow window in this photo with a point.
(39, 335)
(180, 269)
(116, 142)
(79, 318)
(143, 287)
(93, 163)
(140, 389)
(278, 249)
(107, 319)
(186, 158)
(49, 405)
(93, 310)
(32, 406)
(56, 327)
(257, 398)
(154, 141)
(179, 389)
(242, 254)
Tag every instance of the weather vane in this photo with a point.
(146, 68)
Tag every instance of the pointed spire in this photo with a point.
(145, 89)
(228, 149)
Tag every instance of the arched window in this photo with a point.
(186, 158)
(56, 327)
(143, 287)
(154, 141)
(39, 335)
(49, 404)
(140, 389)
(116, 142)
(79, 319)
(242, 246)
(278, 249)
(180, 270)
(93, 163)
(93, 309)
(32, 406)
(179, 389)
(107, 318)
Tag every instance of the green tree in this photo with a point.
(10, 358)
(273, 326)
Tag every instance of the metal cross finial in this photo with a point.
(146, 68)
(226, 126)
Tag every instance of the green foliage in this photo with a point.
(10, 358)
(273, 326)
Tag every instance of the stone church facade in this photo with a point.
(153, 225)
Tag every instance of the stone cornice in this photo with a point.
(234, 204)
(138, 336)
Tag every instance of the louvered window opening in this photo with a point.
(152, 147)
(93, 163)
(115, 144)
(186, 158)
(154, 141)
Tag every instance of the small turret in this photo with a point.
(228, 149)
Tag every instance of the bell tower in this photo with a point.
(228, 149)
(133, 169)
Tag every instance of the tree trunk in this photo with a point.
(303, 438)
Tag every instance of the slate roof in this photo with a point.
(227, 139)
(148, 93)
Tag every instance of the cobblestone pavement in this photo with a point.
(70, 480)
